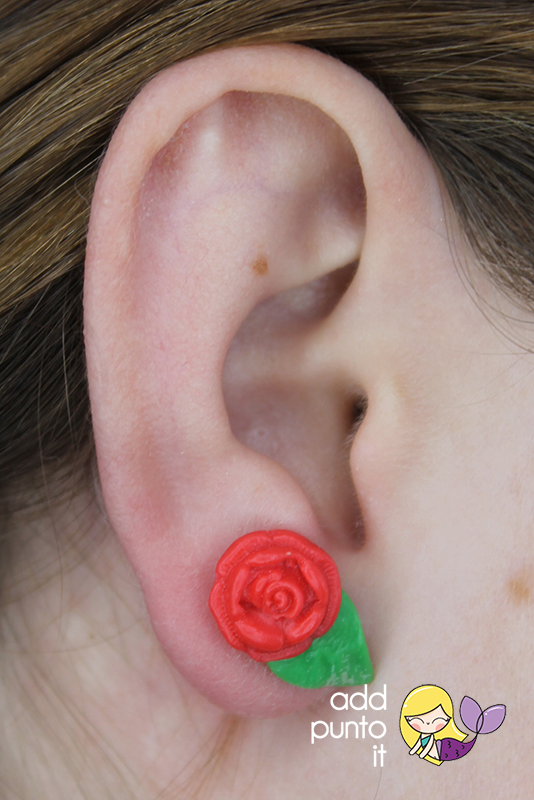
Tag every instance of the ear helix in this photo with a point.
(251, 196)
(278, 597)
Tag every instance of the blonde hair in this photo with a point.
(421, 701)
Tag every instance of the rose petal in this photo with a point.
(279, 601)
(240, 549)
(265, 578)
(296, 597)
(260, 632)
(299, 629)
(315, 578)
(236, 586)
(266, 558)
(217, 604)
(332, 610)
(294, 544)
(257, 587)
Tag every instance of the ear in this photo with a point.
(233, 178)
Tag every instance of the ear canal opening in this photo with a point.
(358, 412)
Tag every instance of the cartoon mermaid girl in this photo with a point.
(428, 728)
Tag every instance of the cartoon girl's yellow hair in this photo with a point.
(421, 701)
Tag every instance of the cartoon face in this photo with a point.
(431, 722)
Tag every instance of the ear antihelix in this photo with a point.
(277, 596)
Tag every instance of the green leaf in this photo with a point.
(339, 658)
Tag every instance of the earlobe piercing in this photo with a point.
(278, 597)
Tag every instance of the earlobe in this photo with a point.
(229, 180)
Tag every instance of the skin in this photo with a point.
(429, 723)
(104, 683)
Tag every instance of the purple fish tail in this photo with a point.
(480, 721)
(475, 720)
(451, 749)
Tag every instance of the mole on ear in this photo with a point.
(520, 587)
(260, 266)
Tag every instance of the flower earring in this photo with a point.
(278, 597)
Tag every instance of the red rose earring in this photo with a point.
(278, 597)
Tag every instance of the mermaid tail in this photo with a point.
(480, 721)
(451, 749)
(475, 720)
